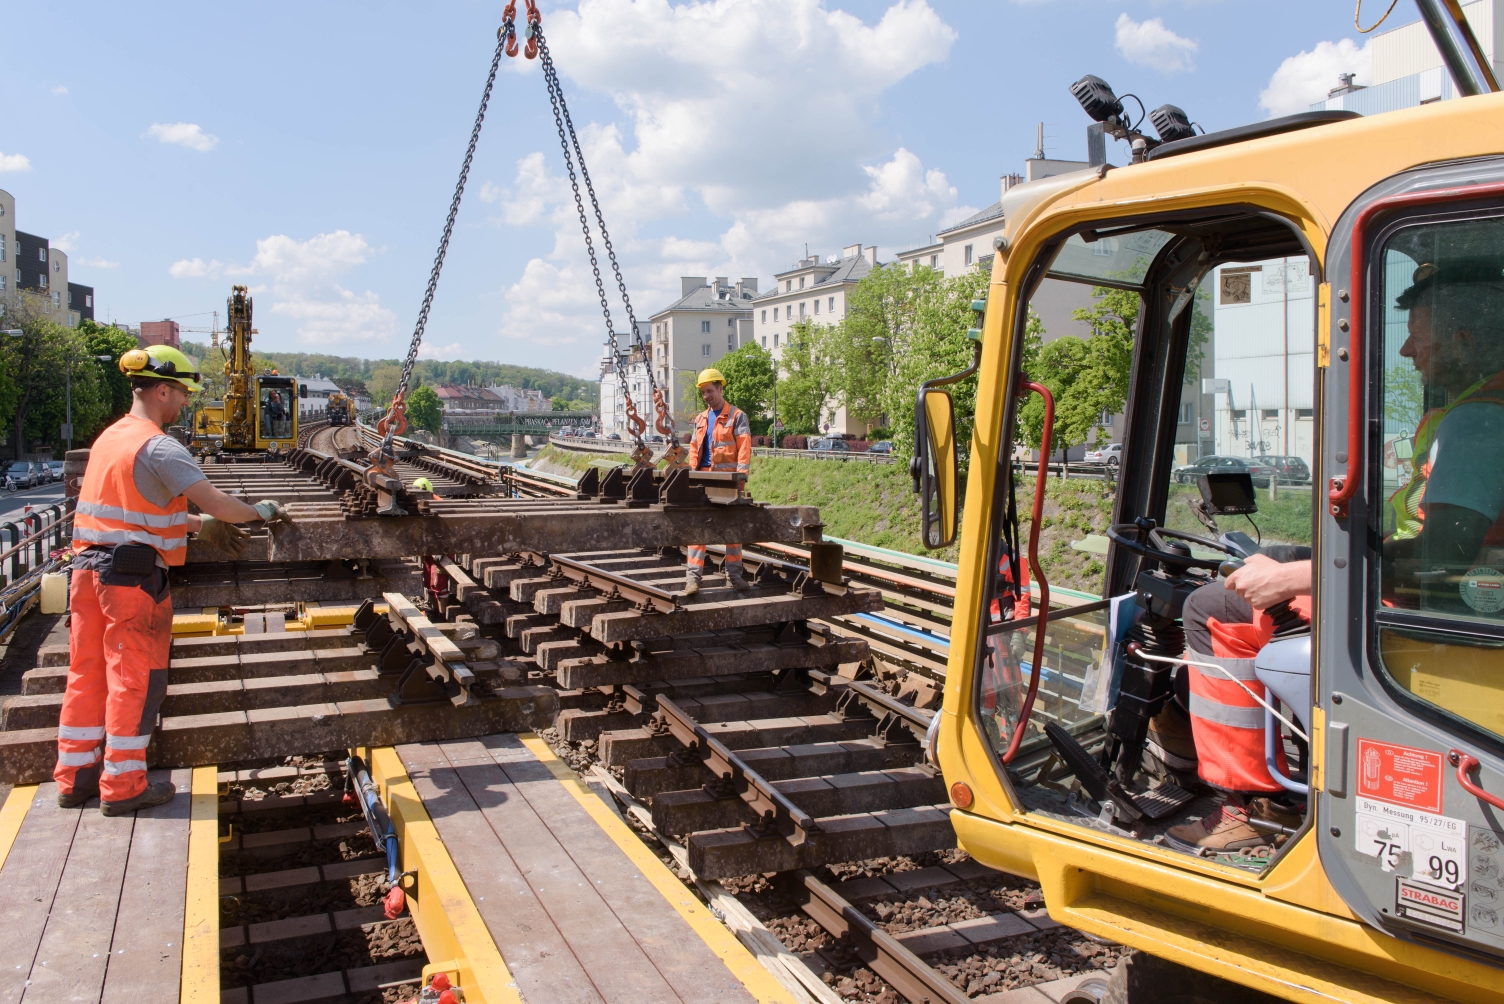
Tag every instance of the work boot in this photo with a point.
(159, 793)
(80, 794)
(734, 579)
(691, 583)
(1170, 739)
(1225, 830)
(1270, 810)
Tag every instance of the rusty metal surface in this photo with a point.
(631, 625)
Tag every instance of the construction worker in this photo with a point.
(1451, 509)
(722, 442)
(130, 526)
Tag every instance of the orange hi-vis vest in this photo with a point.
(730, 441)
(1226, 723)
(111, 511)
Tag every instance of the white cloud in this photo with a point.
(301, 279)
(67, 244)
(194, 268)
(451, 351)
(1149, 43)
(59, 89)
(1305, 78)
(186, 134)
(489, 192)
(719, 116)
(14, 162)
(96, 262)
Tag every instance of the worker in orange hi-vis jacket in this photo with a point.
(132, 524)
(722, 442)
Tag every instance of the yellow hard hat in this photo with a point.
(423, 485)
(161, 362)
(711, 375)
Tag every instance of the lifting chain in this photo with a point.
(394, 422)
(569, 143)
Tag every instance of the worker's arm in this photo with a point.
(742, 430)
(219, 505)
(1263, 582)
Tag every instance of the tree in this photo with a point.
(37, 367)
(423, 409)
(807, 380)
(882, 312)
(383, 383)
(106, 339)
(749, 376)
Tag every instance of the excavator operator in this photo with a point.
(722, 442)
(1450, 510)
(130, 526)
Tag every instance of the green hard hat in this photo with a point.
(423, 485)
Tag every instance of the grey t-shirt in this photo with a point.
(164, 469)
(1467, 459)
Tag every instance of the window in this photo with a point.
(775, 339)
(832, 305)
(788, 286)
(801, 282)
(775, 313)
(42, 280)
(705, 327)
(967, 250)
(57, 299)
(934, 261)
(42, 253)
(730, 322)
(1187, 413)
(765, 316)
(801, 311)
(1305, 413)
(705, 349)
(1271, 413)
(731, 342)
(764, 341)
(817, 306)
(57, 266)
(2, 247)
(1440, 608)
(2, 283)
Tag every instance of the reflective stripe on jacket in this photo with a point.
(730, 442)
(110, 509)
(1408, 503)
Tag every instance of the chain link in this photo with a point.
(396, 420)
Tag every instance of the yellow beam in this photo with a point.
(446, 917)
(201, 911)
(743, 965)
(12, 814)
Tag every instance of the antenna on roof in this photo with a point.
(1039, 142)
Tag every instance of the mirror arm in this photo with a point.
(1041, 477)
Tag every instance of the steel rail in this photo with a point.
(610, 582)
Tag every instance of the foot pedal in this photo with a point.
(1097, 782)
(1164, 799)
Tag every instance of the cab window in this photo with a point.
(276, 412)
(1440, 572)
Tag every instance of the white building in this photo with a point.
(707, 321)
(318, 390)
(519, 398)
(1264, 348)
(813, 290)
(613, 406)
(1407, 69)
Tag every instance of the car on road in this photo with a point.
(829, 444)
(1110, 455)
(1289, 470)
(54, 470)
(22, 474)
(881, 446)
(1261, 473)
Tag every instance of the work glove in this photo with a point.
(272, 511)
(226, 537)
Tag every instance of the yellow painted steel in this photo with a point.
(446, 917)
(12, 815)
(200, 984)
(743, 965)
(1287, 931)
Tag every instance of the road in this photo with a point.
(13, 504)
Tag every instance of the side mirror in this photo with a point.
(302, 390)
(934, 467)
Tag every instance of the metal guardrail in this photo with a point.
(27, 554)
(862, 457)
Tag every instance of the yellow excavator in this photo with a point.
(1370, 730)
(340, 409)
(259, 412)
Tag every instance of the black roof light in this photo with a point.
(1171, 123)
(1096, 97)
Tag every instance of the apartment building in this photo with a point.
(30, 266)
(709, 319)
(813, 290)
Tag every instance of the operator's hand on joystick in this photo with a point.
(1263, 582)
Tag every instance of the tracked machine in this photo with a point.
(259, 412)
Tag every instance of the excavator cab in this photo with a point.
(276, 413)
(1345, 307)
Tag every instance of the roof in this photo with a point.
(703, 298)
(992, 212)
(850, 269)
(318, 383)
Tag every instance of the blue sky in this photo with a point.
(310, 150)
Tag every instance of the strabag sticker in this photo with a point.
(1411, 843)
(1426, 904)
(1402, 775)
(1483, 590)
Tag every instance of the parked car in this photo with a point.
(55, 470)
(1289, 470)
(881, 446)
(1226, 465)
(829, 444)
(21, 474)
(615, 435)
(1111, 455)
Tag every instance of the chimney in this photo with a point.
(689, 283)
(851, 251)
(720, 282)
(872, 255)
(750, 284)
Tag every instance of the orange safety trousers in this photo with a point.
(119, 641)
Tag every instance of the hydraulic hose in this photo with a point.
(1041, 477)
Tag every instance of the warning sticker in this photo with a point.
(1402, 775)
(1427, 904)
(1411, 843)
